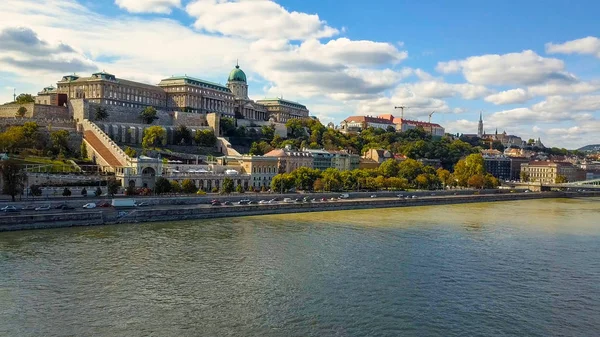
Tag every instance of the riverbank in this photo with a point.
(191, 212)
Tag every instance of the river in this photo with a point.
(522, 268)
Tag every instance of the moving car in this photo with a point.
(323, 199)
(28, 208)
(345, 196)
(103, 204)
(288, 200)
(123, 203)
(64, 207)
(8, 209)
(252, 203)
(142, 204)
(89, 205)
(215, 203)
(262, 202)
(227, 203)
(243, 202)
(373, 195)
(45, 208)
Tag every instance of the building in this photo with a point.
(344, 161)
(322, 160)
(359, 123)
(261, 169)
(281, 110)
(289, 160)
(50, 96)
(189, 94)
(497, 165)
(378, 155)
(244, 107)
(403, 125)
(515, 167)
(547, 172)
(480, 131)
(105, 88)
(176, 93)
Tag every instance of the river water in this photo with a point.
(525, 268)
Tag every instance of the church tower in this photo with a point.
(237, 83)
(480, 127)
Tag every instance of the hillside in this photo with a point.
(591, 148)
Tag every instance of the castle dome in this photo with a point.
(237, 75)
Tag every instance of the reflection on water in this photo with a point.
(526, 268)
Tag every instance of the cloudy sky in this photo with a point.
(533, 70)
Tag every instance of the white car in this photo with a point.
(43, 208)
(374, 196)
(89, 205)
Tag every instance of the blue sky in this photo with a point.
(533, 69)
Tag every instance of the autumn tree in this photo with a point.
(561, 179)
(154, 136)
(472, 165)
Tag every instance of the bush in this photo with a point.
(239, 189)
(130, 190)
(201, 192)
(162, 185)
(144, 191)
(215, 190)
(188, 186)
(84, 192)
(66, 192)
(98, 191)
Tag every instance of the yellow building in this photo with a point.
(547, 172)
(290, 160)
(282, 110)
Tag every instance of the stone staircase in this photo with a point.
(225, 147)
(106, 150)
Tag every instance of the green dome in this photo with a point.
(237, 75)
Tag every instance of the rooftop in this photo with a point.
(196, 81)
(367, 119)
(281, 100)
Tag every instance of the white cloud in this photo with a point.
(509, 97)
(524, 68)
(561, 104)
(440, 89)
(257, 19)
(554, 88)
(587, 45)
(148, 6)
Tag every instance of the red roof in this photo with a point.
(367, 119)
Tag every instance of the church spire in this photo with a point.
(480, 126)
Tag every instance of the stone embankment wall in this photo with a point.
(35, 111)
(66, 219)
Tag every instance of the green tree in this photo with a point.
(21, 112)
(101, 114)
(524, 176)
(182, 135)
(260, 148)
(83, 151)
(205, 138)
(83, 192)
(66, 192)
(489, 181)
(227, 187)
(162, 185)
(304, 178)
(24, 98)
(560, 179)
(389, 168)
(472, 165)
(175, 187)
(35, 190)
(268, 132)
(409, 169)
(188, 186)
(98, 191)
(282, 182)
(60, 141)
(227, 125)
(112, 186)
(130, 152)
(154, 136)
(13, 177)
(239, 189)
(332, 179)
(148, 115)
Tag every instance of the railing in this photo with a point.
(106, 141)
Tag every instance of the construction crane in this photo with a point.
(431, 126)
(402, 109)
(430, 116)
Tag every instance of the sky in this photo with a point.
(531, 68)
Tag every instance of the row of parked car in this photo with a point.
(89, 205)
(215, 202)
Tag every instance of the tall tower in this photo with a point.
(237, 83)
(480, 127)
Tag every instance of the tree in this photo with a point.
(239, 188)
(268, 132)
(524, 176)
(98, 191)
(227, 126)
(260, 148)
(188, 186)
(205, 138)
(13, 176)
(21, 112)
(66, 192)
(227, 187)
(112, 186)
(282, 182)
(154, 136)
(444, 176)
(410, 169)
(304, 178)
(60, 141)
(84, 192)
(472, 165)
(35, 190)
(389, 168)
(162, 185)
(332, 179)
(476, 181)
(101, 114)
(489, 181)
(560, 179)
(83, 151)
(182, 135)
(148, 115)
(175, 187)
(24, 98)
(318, 185)
(130, 152)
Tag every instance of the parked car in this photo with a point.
(373, 195)
(89, 205)
(400, 195)
(243, 202)
(227, 203)
(64, 207)
(103, 204)
(262, 202)
(345, 196)
(334, 199)
(215, 203)
(252, 202)
(8, 209)
(28, 208)
(142, 204)
(414, 197)
(43, 208)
